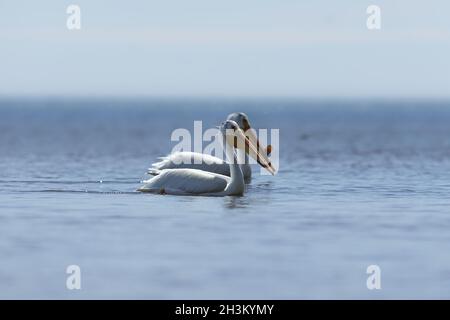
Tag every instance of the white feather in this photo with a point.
(195, 160)
(186, 181)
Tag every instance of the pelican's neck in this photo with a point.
(244, 163)
(236, 185)
(242, 155)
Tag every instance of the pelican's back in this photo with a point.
(191, 160)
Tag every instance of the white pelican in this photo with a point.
(198, 182)
(206, 162)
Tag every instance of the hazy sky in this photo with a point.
(226, 47)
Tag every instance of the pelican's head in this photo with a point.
(241, 119)
(230, 130)
(235, 137)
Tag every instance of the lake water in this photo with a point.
(360, 183)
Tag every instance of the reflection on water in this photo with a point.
(354, 188)
(233, 202)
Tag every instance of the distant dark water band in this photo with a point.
(14, 186)
(134, 181)
(80, 191)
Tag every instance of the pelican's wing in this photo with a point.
(190, 160)
(185, 181)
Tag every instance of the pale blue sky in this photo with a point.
(226, 48)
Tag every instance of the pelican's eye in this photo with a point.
(231, 126)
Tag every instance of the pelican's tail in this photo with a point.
(156, 167)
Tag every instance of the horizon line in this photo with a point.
(221, 97)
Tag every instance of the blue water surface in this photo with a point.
(360, 183)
